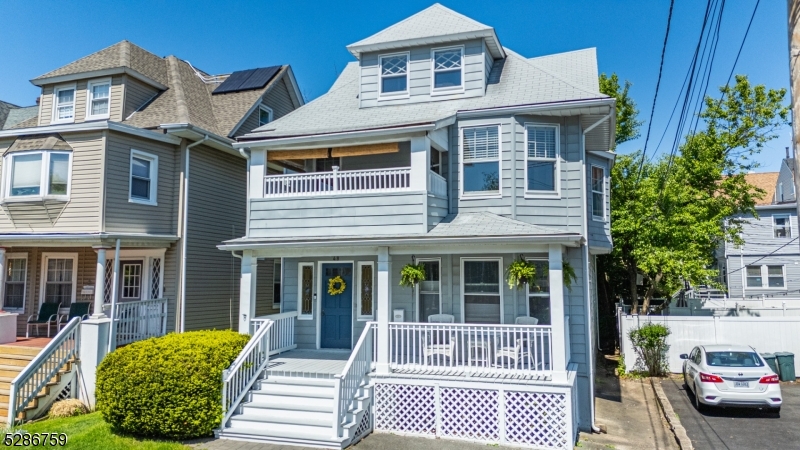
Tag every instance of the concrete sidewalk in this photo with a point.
(629, 411)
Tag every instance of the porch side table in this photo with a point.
(8, 328)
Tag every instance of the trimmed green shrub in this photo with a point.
(650, 343)
(168, 387)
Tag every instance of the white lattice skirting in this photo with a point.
(520, 415)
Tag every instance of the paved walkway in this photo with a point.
(630, 413)
(737, 428)
(375, 441)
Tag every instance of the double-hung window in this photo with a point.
(143, 178)
(60, 276)
(766, 277)
(394, 74)
(429, 290)
(539, 293)
(16, 274)
(447, 69)
(64, 104)
(97, 99)
(781, 226)
(598, 193)
(481, 160)
(37, 174)
(264, 115)
(541, 155)
(482, 290)
(366, 290)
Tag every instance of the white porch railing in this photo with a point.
(346, 181)
(281, 337)
(43, 368)
(472, 348)
(140, 320)
(351, 378)
(437, 183)
(245, 370)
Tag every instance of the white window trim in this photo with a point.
(10, 256)
(447, 90)
(399, 94)
(153, 201)
(8, 168)
(300, 315)
(269, 112)
(54, 113)
(43, 281)
(788, 218)
(556, 194)
(500, 268)
(416, 288)
(89, 99)
(147, 255)
(592, 191)
(529, 294)
(765, 277)
(480, 195)
(780, 192)
(357, 283)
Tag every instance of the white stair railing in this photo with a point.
(44, 368)
(281, 337)
(349, 381)
(139, 320)
(244, 371)
(338, 181)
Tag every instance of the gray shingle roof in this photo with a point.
(513, 81)
(467, 224)
(20, 116)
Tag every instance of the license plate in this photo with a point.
(741, 384)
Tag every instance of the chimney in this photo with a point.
(40, 98)
(787, 152)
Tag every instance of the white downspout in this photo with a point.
(185, 227)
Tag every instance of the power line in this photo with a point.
(741, 46)
(765, 256)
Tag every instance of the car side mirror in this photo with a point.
(684, 356)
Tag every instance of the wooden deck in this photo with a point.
(34, 342)
(308, 363)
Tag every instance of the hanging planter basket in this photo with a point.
(520, 272)
(411, 274)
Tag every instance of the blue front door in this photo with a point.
(337, 310)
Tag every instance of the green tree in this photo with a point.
(627, 123)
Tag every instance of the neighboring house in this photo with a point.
(128, 147)
(768, 264)
(11, 115)
(438, 147)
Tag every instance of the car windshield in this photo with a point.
(733, 359)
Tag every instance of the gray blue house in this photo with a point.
(437, 147)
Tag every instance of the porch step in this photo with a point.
(18, 350)
(11, 359)
(9, 370)
(321, 439)
(295, 390)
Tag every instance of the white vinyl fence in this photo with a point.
(765, 334)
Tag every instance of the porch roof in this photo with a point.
(86, 239)
(461, 228)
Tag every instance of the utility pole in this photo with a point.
(794, 74)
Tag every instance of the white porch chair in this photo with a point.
(439, 342)
(527, 348)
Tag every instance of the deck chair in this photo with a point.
(48, 313)
(527, 348)
(440, 343)
(79, 309)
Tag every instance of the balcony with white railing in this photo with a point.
(338, 182)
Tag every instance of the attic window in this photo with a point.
(394, 74)
(98, 95)
(447, 68)
(64, 104)
(264, 115)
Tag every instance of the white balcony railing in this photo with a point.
(338, 181)
(140, 320)
(472, 348)
(437, 183)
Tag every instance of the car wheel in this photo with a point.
(700, 407)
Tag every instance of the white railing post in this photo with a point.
(245, 370)
(335, 178)
(555, 277)
(383, 309)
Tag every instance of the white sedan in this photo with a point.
(731, 375)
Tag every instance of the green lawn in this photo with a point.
(91, 432)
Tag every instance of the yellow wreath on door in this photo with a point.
(336, 285)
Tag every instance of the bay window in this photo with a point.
(64, 104)
(481, 160)
(37, 174)
(482, 290)
(541, 156)
(97, 99)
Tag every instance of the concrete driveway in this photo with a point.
(736, 428)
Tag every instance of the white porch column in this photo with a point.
(420, 162)
(2, 275)
(384, 308)
(258, 168)
(247, 291)
(557, 312)
(99, 283)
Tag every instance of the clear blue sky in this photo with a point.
(223, 36)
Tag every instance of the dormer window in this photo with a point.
(394, 74)
(97, 99)
(64, 104)
(264, 115)
(447, 69)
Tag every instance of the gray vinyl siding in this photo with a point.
(437, 210)
(338, 215)
(121, 215)
(599, 230)
(265, 288)
(487, 63)
(383, 161)
(81, 212)
(789, 261)
(785, 179)
(279, 99)
(116, 96)
(170, 291)
(216, 212)
(249, 124)
(137, 94)
(759, 234)
(420, 76)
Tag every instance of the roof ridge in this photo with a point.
(82, 57)
(537, 67)
(180, 96)
(563, 53)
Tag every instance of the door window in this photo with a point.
(131, 281)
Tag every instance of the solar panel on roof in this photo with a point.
(245, 80)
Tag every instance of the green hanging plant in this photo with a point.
(411, 274)
(568, 273)
(520, 272)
